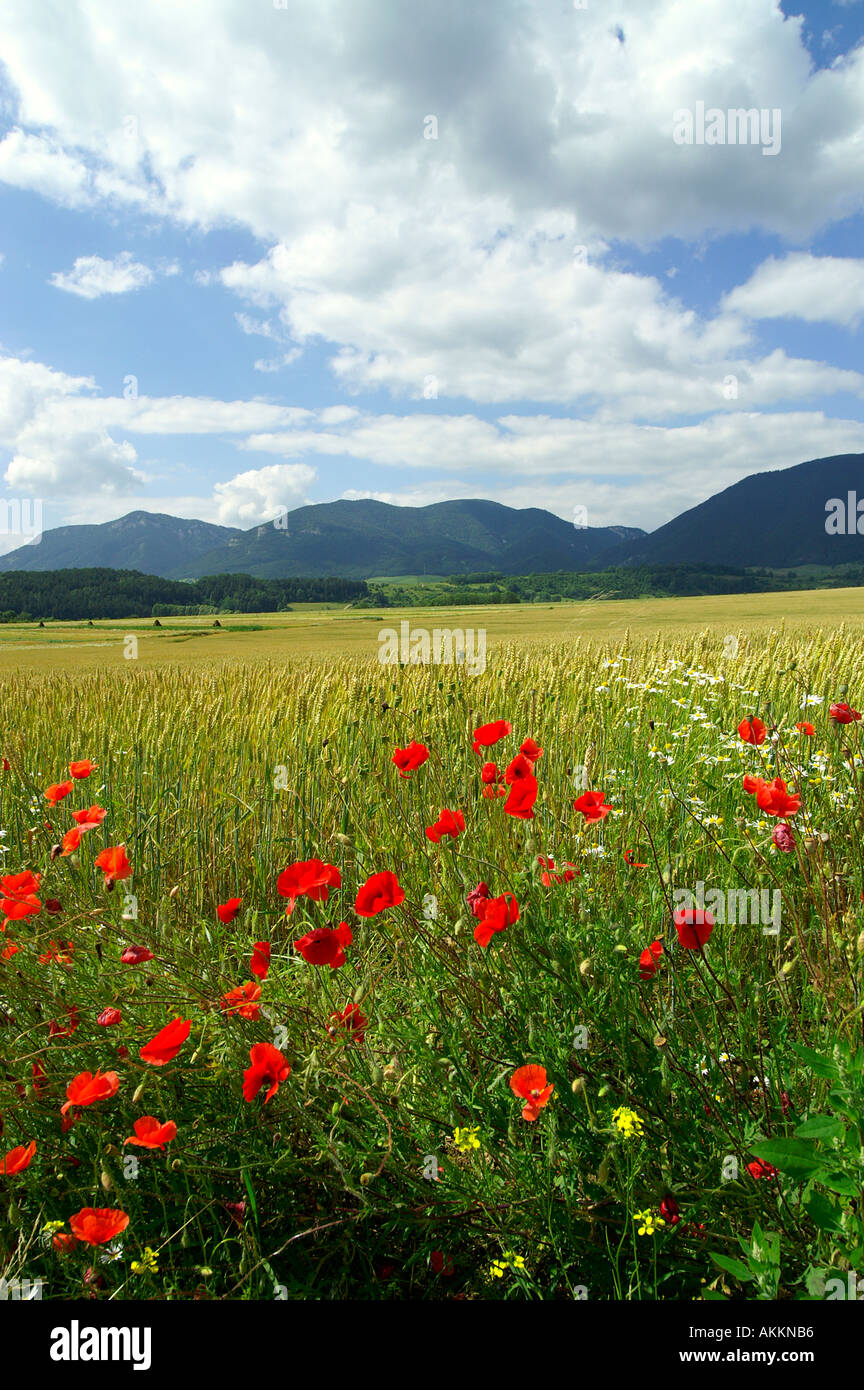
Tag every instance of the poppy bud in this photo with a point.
(585, 969)
(138, 1093)
(106, 1180)
(366, 1178)
(55, 850)
(345, 840)
(578, 1085)
(176, 1166)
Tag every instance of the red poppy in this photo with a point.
(760, 1169)
(694, 926)
(410, 758)
(752, 731)
(634, 863)
(268, 1066)
(63, 1242)
(325, 945)
(379, 892)
(592, 807)
(61, 1030)
(447, 823)
(490, 776)
(167, 1043)
(98, 1225)
(487, 734)
(71, 840)
(114, 864)
(18, 1159)
(752, 784)
(88, 1087)
(529, 1084)
(476, 899)
(89, 819)
(783, 836)
(531, 750)
(82, 769)
(843, 714)
(226, 912)
(109, 1018)
(151, 1133)
(57, 791)
(260, 962)
(440, 1263)
(53, 905)
(498, 913)
(523, 794)
(350, 1021)
(242, 1000)
(309, 878)
(805, 728)
(549, 876)
(136, 955)
(648, 960)
(19, 898)
(60, 955)
(670, 1211)
(774, 799)
(520, 767)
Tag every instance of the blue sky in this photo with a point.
(237, 273)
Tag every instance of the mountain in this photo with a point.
(145, 541)
(349, 539)
(776, 520)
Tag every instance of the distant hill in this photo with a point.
(145, 541)
(774, 519)
(351, 539)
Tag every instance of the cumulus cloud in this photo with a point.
(93, 276)
(820, 289)
(259, 494)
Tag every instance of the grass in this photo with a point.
(396, 1163)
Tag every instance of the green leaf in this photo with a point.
(819, 1065)
(840, 1182)
(824, 1214)
(795, 1157)
(735, 1267)
(821, 1127)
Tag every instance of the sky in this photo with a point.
(256, 254)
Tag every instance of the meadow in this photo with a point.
(358, 981)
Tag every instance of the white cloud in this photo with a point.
(820, 289)
(92, 276)
(258, 495)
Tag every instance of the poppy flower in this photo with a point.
(523, 794)
(634, 863)
(350, 1021)
(773, 798)
(61, 1030)
(531, 750)
(226, 912)
(82, 769)
(325, 945)
(447, 823)
(379, 892)
(760, 1169)
(498, 913)
(98, 1225)
(136, 955)
(309, 878)
(476, 899)
(260, 962)
(109, 1018)
(410, 758)
(549, 876)
(694, 926)
(490, 777)
(529, 1084)
(520, 767)
(18, 1159)
(670, 1211)
(53, 905)
(57, 791)
(114, 864)
(783, 837)
(63, 1242)
(61, 955)
(752, 784)
(440, 1263)
(71, 840)
(19, 898)
(805, 728)
(487, 734)
(242, 1000)
(89, 819)
(648, 960)
(151, 1133)
(843, 714)
(592, 807)
(752, 731)
(167, 1042)
(268, 1066)
(88, 1087)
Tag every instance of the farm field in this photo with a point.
(324, 979)
(316, 632)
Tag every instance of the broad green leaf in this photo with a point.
(821, 1127)
(795, 1157)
